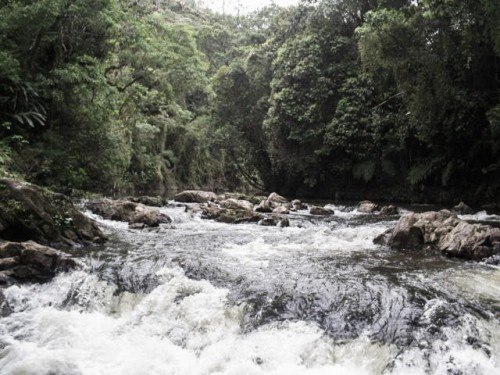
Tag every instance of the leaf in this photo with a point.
(423, 171)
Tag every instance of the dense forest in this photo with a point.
(349, 99)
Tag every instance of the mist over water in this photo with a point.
(199, 297)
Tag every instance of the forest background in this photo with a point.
(382, 99)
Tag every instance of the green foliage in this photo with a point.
(364, 170)
(119, 96)
(5, 159)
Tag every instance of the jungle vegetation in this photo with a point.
(383, 99)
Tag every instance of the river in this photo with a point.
(200, 297)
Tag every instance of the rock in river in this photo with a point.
(133, 213)
(195, 196)
(445, 232)
(367, 207)
(29, 261)
(320, 211)
(237, 204)
(29, 212)
(225, 215)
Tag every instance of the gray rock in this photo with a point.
(389, 210)
(268, 222)
(298, 205)
(275, 221)
(445, 232)
(29, 212)
(264, 206)
(228, 216)
(281, 210)
(29, 261)
(148, 201)
(463, 209)
(237, 204)
(195, 196)
(276, 198)
(131, 212)
(367, 207)
(320, 211)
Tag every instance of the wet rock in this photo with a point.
(195, 196)
(131, 212)
(29, 261)
(150, 218)
(282, 210)
(320, 211)
(6, 280)
(367, 207)
(264, 206)
(445, 232)
(463, 209)
(237, 204)
(240, 196)
(389, 210)
(149, 201)
(275, 221)
(275, 198)
(29, 212)
(137, 226)
(298, 205)
(268, 222)
(471, 241)
(228, 216)
(284, 222)
(493, 260)
(5, 309)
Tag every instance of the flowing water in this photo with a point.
(199, 297)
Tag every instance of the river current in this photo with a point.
(200, 297)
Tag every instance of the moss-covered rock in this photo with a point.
(29, 212)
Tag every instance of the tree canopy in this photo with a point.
(392, 99)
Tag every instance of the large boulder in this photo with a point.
(131, 212)
(471, 241)
(195, 196)
(29, 212)
(445, 232)
(29, 261)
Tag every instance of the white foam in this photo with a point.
(480, 216)
(182, 327)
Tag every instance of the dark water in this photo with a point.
(198, 297)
